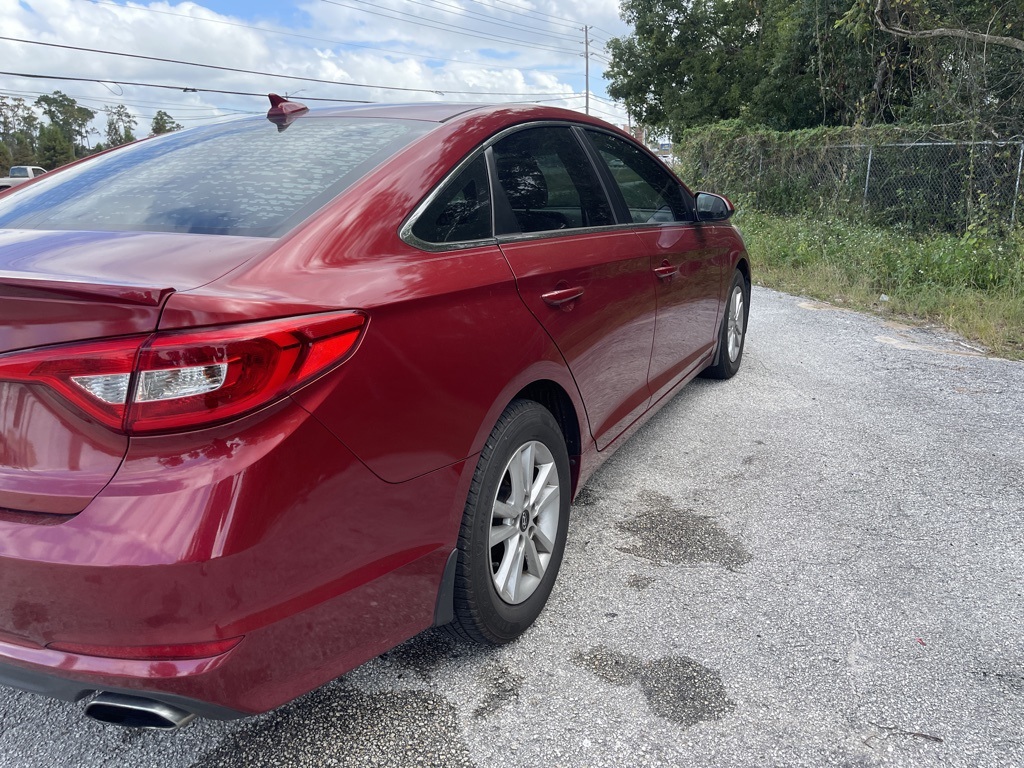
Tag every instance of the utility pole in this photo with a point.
(586, 66)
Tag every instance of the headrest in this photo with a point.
(523, 182)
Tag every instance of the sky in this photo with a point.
(436, 50)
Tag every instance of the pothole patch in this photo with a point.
(667, 533)
(638, 582)
(950, 348)
(676, 688)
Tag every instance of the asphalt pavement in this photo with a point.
(817, 563)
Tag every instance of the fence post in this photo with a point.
(867, 179)
(760, 184)
(1016, 189)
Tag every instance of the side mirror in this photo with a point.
(712, 207)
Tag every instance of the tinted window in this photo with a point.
(549, 182)
(651, 194)
(239, 178)
(19, 172)
(462, 211)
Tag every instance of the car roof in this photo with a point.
(442, 112)
(431, 111)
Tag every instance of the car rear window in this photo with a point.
(238, 178)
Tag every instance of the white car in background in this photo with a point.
(20, 174)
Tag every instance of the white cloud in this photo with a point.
(189, 31)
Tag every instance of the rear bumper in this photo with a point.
(272, 532)
(38, 678)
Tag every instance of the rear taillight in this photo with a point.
(177, 380)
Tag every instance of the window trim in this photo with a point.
(497, 200)
(405, 230)
(410, 237)
(610, 189)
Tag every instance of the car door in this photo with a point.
(687, 258)
(588, 283)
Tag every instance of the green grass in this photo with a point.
(972, 284)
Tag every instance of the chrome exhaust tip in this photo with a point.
(136, 712)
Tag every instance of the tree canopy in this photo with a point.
(164, 123)
(790, 64)
(66, 114)
(56, 129)
(119, 125)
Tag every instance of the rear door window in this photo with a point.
(651, 194)
(461, 212)
(549, 182)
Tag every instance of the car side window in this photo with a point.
(462, 212)
(549, 182)
(650, 192)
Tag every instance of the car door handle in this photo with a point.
(666, 270)
(562, 296)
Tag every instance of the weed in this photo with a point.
(973, 284)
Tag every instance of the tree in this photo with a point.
(790, 64)
(164, 123)
(5, 160)
(120, 123)
(883, 9)
(22, 149)
(809, 74)
(688, 62)
(67, 115)
(779, 63)
(54, 148)
(946, 62)
(16, 117)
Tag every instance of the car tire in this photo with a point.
(733, 332)
(514, 527)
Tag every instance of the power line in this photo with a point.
(183, 89)
(178, 108)
(454, 28)
(264, 74)
(444, 27)
(140, 108)
(486, 20)
(298, 36)
(525, 12)
(575, 96)
(530, 10)
(606, 114)
(33, 76)
(135, 103)
(189, 89)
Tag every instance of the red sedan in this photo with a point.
(277, 395)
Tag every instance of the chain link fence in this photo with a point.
(936, 186)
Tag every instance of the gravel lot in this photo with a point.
(818, 562)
